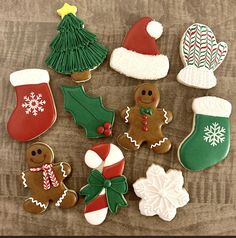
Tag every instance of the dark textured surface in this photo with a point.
(26, 29)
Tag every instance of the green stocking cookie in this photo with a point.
(209, 141)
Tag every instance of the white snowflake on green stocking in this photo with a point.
(214, 134)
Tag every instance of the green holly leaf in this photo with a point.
(88, 112)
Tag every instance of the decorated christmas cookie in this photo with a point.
(106, 184)
(209, 141)
(75, 51)
(35, 111)
(146, 121)
(201, 56)
(161, 192)
(139, 57)
(45, 180)
(88, 112)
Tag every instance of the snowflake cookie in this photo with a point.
(161, 192)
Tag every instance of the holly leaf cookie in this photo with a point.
(201, 56)
(88, 112)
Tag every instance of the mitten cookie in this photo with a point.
(146, 121)
(75, 50)
(161, 192)
(139, 57)
(35, 111)
(45, 180)
(201, 56)
(106, 184)
(209, 141)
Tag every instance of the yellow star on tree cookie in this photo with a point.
(66, 9)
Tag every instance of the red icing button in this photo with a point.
(100, 130)
(145, 128)
(144, 122)
(145, 117)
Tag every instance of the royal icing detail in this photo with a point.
(131, 139)
(201, 56)
(127, 115)
(37, 203)
(161, 192)
(214, 134)
(24, 180)
(59, 201)
(62, 170)
(159, 142)
(33, 103)
(165, 115)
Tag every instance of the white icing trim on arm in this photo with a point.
(165, 115)
(29, 76)
(127, 115)
(62, 170)
(24, 179)
(59, 201)
(37, 203)
(159, 142)
(132, 140)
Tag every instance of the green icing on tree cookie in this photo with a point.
(88, 112)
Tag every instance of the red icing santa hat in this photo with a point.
(139, 57)
(109, 160)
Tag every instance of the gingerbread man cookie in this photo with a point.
(146, 121)
(45, 180)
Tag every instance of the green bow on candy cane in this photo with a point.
(144, 110)
(115, 188)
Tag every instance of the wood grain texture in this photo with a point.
(26, 29)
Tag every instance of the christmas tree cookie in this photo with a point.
(201, 56)
(75, 51)
(88, 112)
(209, 141)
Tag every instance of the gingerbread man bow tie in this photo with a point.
(144, 110)
(48, 175)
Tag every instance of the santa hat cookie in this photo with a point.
(35, 111)
(201, 56)
(106, 184)
(139, 57)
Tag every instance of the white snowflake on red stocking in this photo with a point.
(33, 103)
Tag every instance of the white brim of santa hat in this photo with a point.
(139, 66)
(212, 106)
(29, 76)
(197, 77)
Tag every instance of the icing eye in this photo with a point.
(143, 92)
(39, 151)
(33, 153)
(150, 93)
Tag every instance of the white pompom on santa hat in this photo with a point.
(139, 57)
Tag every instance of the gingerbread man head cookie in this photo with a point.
(146, 121)
(45, 180)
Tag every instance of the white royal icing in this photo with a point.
(62, 170)
(38, 203)
(131, 139)
(165, 115)
(24, 180)
(127, 115)
(159, 142)
(59, 201)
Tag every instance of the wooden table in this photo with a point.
(26, 29)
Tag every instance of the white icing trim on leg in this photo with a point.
(24, 180)
(37, 203)
(59, 201)
(165, 115)
(159, 142)
(62, 170)
(127, 115)
(132, 140)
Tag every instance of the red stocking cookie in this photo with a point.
(146, 121)
(45, 180)
(35, 111)
(106, 184)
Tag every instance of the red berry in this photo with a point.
(145, 128)
(107, 132)
(107, 125)
(100, 130)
